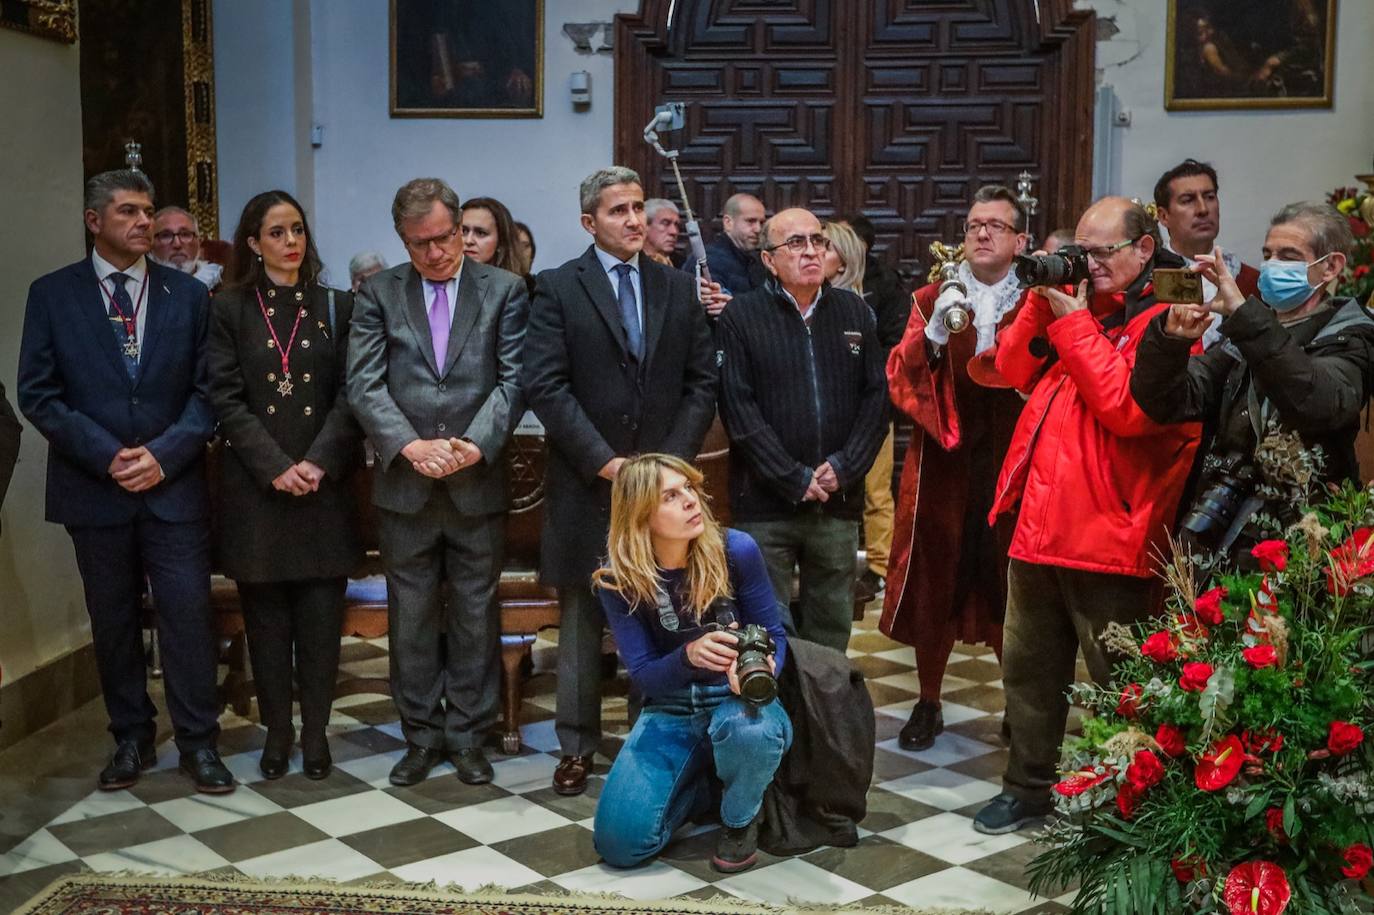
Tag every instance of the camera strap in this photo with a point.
(667, 613)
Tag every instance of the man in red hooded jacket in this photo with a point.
(1096, 484)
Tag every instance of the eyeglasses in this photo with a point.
(797, 243)
(1102, 252)
(185, 236)
(423, 244)
(994, 227)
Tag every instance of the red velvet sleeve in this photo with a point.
(919, 388)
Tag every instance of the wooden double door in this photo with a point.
(899, 109)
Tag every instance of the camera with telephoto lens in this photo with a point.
(756, 681)
(1214, 512)
(1066, 267)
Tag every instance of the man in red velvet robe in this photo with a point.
(947, 574)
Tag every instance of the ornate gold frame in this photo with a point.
(535, 112)
(198, 72)
(54, 19)
(1221, 104)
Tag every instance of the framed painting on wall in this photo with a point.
(55, 19)
(467, 58)
(1257, 54)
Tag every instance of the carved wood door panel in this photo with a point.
(897, 108)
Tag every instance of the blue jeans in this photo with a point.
(662, 775)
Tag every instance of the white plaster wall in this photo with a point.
(42, 613)
(1265, 159)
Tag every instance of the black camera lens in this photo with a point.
(756, 682)
(1066, 267)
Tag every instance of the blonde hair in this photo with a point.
(850, 248)
(631, 570)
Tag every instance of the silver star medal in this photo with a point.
(131, 347)
(284, 386)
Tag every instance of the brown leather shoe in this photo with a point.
(571, 775)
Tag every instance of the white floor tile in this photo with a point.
(942, 788)
(98, 804)
(244, 766)
(910, 682)
(171, 856)
(329, 859)
(375, 769)
(794, 880)
(524, 773)
(344, 816)
(471, 869)
(953, 712)
(501, 819)
(358, 699)
(540, 736)
(38, 850)
(960, 889)
(904, 655)
(951, 837)
(206, 811)
(393, 728)
(949, 748)
(655, 880)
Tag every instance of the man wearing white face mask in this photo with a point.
(1295, 358)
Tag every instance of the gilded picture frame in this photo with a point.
(1261, 54)
(51, 19)
(467, 59)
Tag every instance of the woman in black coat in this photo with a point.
(288, 525)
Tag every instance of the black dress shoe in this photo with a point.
(130, 759)
(472, 765)
(919, 732)
(207, 771)
(315, 758)
(415, 765)
(276, 753)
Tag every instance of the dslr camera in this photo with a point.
(1214, 512)
(757, 684)
(1066, 267)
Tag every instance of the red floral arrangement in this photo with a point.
(1357, 206)
(1226, 769)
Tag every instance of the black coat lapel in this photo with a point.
(598, 286)
(654, 287)
(418, 316)
(89, 301)
(471, 288)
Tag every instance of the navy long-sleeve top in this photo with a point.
(656, 656)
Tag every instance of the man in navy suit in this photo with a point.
(112, 373)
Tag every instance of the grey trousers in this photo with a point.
(442, 570)
(577, 720)
(824, 549)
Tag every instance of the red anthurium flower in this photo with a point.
(1160, 648)
(1273, 821)
(1189, 868)
(1272, 555)
(1267, 741)
(1358, 858)
(1208, 606)
(1217, 769)
(1076, 783)
(1145, 771)
(1127, 799)
(1256, 888)
(1128, 706)
(1261, 656)
(1191, 625)
(1170, 740)
(1343, 737)
(1265, 598)
(1195, 676)
(1351, 561)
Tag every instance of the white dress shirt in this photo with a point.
(450, 286)
(608, 263)
(133, 285)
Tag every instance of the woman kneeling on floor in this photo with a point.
(676, 589)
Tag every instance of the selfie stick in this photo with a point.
(671, 117)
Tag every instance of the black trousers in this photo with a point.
(175, 559)
(300, 619)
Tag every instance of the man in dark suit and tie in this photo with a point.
(618, 361)
(112, 373)
(434, 371)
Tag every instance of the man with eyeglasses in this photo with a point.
(805, 404)
(948, 570)
(176, 244)
(1097, 484)
(434, 378)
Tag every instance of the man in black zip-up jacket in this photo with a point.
(804, 399)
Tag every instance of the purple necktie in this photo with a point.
(438, 322)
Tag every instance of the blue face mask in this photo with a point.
(1283, 284)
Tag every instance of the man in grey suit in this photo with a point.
(433, 377)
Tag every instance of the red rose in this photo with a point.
(1145, 771)
(1272, 555)
(1358, 858)
(1273, 821)
(1358, 227)
(1361, 271)
(1256, 888)
(1159, 648)
(1208, 607)
(1128, 706)
(1190, 624)
(1187, 869)
(1343, 738)
(1195, 676)
(1170, 740)
(1260, 656)
(1127, 799)
(1080, 781)
(1217, 769)
(1267, 741)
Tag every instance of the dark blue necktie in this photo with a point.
(629, 311)
(120, 297)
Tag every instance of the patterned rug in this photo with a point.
(104, 894)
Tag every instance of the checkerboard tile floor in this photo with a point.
(917, 848)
